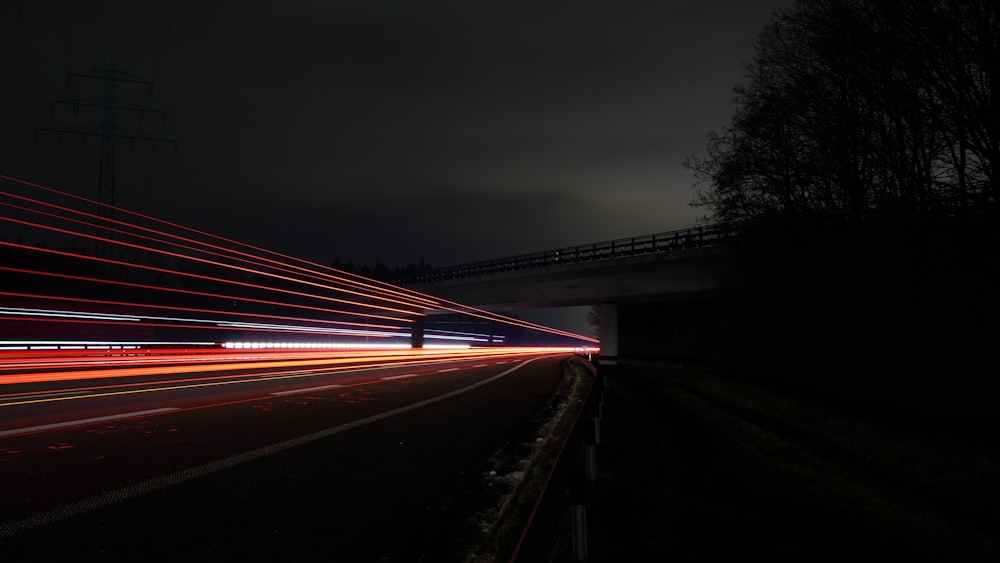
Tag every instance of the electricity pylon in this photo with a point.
(108, 131)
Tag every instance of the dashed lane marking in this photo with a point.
(306, 390)
(391, 377)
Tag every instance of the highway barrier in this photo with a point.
(665, 242)
(559, 516)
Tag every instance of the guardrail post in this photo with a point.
(578, 517)
(590, 463)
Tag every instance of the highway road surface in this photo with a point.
(254, 459)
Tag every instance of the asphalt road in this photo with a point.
(360, 464)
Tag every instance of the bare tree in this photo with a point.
(855, 106)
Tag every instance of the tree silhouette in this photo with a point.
(854, 107)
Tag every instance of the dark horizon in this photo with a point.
(445, 132)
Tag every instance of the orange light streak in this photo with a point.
(253, 363)
(338, 276)
(199, 326)
(201, 293)
(249, 378)
(284, 268)
(370, 285)
(187, 274)
(194, 310)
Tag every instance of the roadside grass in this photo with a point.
(511, 515)
(816, 468)
(963, 469)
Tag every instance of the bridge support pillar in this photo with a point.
(607, 331)
(417, 333)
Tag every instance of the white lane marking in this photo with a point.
(82, 421)
(40, 395)
(137, 489)
(306, 390)
(391, 377)
(479, 365)
(447, 370)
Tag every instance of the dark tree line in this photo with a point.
(854, 107)
(380, 271)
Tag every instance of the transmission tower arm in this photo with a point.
(84, 132)
(111, 74)
(117, 105)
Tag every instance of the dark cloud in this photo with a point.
(448, 131)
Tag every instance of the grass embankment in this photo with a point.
(698, 466)
(531, 466)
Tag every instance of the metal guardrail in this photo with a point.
(665, 242)
(560, 510)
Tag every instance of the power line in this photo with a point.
(109, 130)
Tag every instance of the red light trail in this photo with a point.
(282, 268)
(360, 281)
(196, 310)
(219, 286)
(17, 369)
(185, 274)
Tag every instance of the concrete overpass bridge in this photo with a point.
(648, 287)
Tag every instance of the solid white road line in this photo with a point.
(82, 421)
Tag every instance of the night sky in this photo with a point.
(444, 131)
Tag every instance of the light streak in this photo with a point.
(197, 276)
(18, 311)
(284, 329)
(362, 363)
(229, 297)
(83, 315)
(239, 257)
(281, 267)
(182, 256)
(367, 283)
(314, 346)
(191, 309)
(450, 305)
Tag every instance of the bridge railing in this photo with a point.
(664, 242)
